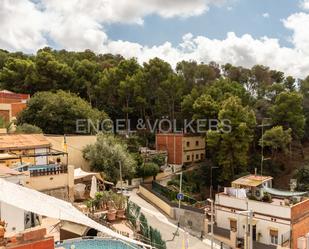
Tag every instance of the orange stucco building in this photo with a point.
(35, 238)
(181, 147)
(11, 104)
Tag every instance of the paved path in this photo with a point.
(167, 228)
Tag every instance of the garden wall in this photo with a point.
(189, 217)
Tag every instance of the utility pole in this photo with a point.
(251, 228)
(249, 215)
(180, 189)
(262, 149)
(212, 221)
(211, 185)
(262, 145)
(210, 190)
(120, 174)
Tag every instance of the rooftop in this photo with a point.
(23, 141)
(251, 180)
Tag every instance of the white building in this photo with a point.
(17, 219)
(279, 217)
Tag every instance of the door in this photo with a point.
(254, 232)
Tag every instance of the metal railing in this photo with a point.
(49, 171)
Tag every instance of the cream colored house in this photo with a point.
(181, 147)
(279, 221)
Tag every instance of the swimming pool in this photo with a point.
(28, 167)
(96, 244)
(43, 167)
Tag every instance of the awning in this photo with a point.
(75, 228)
(6, 171)
(283, 193)
(42, 204)
(80, 174)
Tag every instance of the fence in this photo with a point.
(49, 171)
(170, 194)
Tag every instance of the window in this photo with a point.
(202, 156)
(273, 236)
(196, 156)
(233, 225)
(196, 143)
(188, 157)
(188, 144)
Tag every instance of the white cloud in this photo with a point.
(21, 25)
(265, 15)
(304, 4)
(244, 51)
(79, 24)
(299, 23)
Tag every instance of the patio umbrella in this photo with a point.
(94, 187)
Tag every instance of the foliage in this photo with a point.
(288, 112)
(58, 112)
(158, 159)
(120, 201)
(302, 176)
(132, 213)
(106, 154)
(28, 129)
(231, 148)
(150, 169)
(153, 235)
(144, 225)
(277, 139)
(125, 89)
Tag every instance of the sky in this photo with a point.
(274, 33)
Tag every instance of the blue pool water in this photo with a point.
(42, 167)
(26, 167)
(96, 244)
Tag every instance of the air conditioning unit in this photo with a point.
(296, 199)
(302, 243)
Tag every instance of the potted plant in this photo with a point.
(101, 200)
(2, 230)
(111, 214)
(90, 205)
(110, 200)
(120, 203)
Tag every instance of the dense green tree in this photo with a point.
(304, 89)
(86, 76)
(50, 73)
(159, 159)
(302, 176)
(230, 147)
(288, 112)
(155, 72)
(150, 169)
(277, 139)
(205, 107)
(58, 112)
(18, 75)
(107, 154)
